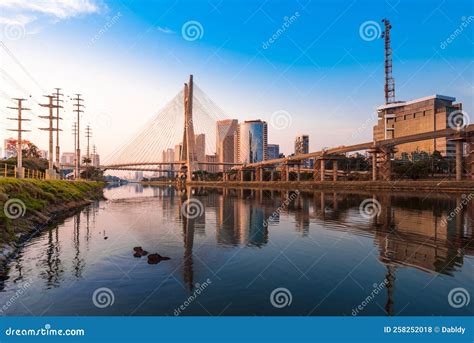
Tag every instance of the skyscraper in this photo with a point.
(273, 151)
(200, 147)
(252, 141)
(226, 131)
(302, 147)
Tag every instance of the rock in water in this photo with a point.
(139, 252)
(156, 258)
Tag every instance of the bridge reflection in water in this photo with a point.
(236, 239)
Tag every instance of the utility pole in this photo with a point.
(51, 129)
(78, 105)
(389, 81)
(19, 152)
(58, 100)
(88, 136)
(74, 133)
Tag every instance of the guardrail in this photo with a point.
(8, 170)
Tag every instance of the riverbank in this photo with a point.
(29, 205)
(393, 186)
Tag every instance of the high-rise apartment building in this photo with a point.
(302, 147)
(273, 151)
(226, 130)
(200, 147)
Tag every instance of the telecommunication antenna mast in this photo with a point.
(389, 81)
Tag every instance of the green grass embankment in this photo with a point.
(26, 204)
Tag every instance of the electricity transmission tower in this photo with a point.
(74, 132)
(88, 137)
(77, 108)
(19, 129)
(50, 129)
(58, 118)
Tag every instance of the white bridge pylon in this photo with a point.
(165, 131)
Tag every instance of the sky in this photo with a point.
(306, 67)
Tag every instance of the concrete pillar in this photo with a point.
(252, 176)
(298, 172)
(316, 171)
(241, 175)
(334, 170)
(386, 165)
(458, 160)
(272, 175)
(374, 166)
(322, 168)
(259, 172)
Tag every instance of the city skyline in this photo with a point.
(330, 91)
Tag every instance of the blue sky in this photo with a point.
(129, 58)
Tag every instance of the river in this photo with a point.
(250, 252)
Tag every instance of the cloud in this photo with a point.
(164, 30)
(59, 9)
(29, 17)
(17, 19)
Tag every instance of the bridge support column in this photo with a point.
(284, 173)
(458, 143)
(316, 171)
(334, 170)
(240, 175)
(374, 166)
(259, 174)
(470, 159)
(373, 152)
(386, 165)
(322, 168)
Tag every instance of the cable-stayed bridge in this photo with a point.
(191, 112)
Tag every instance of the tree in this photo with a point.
(31, 150)
(92, 173)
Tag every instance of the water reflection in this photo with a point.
(408, 233)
